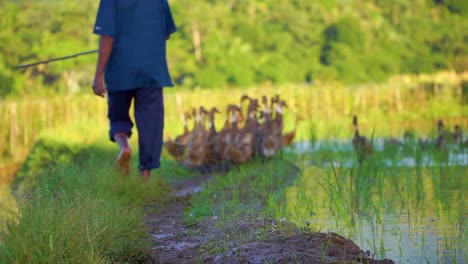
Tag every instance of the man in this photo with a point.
(132, 63)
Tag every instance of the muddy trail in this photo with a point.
(249, 240)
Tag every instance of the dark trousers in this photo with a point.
(149, 117)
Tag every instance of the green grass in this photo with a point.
(74, 208)
(243, 197)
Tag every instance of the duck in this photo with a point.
(441, 140)
(196, 146)
(267, 115)
(239, 154)
(199, 132)
(176, 148)
(457, 135)
(392, 142)
(289, 137)
(280, 105)
(238, 149)
(361, 144)
(247, 133)
(212, 140)
(252, 132)
(409, 135)
(185, 136)
(271, 142)
(223, 138)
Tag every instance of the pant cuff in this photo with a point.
(120, 127)
(150, 167)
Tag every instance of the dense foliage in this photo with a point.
(240, 42)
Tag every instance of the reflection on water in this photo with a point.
(456, 157)
(414, 213)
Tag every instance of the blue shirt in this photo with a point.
(139, 28)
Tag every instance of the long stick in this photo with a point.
(22, 66)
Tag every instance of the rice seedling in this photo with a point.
(384, 197)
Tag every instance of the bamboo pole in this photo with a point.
(23, 66)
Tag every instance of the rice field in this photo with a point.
(403, 103)
(403, 203)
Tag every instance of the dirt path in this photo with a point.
(173, 241)
(245, 241)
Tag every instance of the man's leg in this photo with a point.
(149, 116)
(121, 126)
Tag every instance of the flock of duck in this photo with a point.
(445, 139)
(254, 128)
(255, 132)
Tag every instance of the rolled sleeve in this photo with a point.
(170, 25)
(106, 20)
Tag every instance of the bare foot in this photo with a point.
(123, 161)
(145, 175)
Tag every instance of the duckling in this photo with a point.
(362, 146)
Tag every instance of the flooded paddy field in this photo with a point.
(403, 202)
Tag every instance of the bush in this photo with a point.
(455, 6)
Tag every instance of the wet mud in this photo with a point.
(257, 240)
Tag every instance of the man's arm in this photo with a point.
(106, 28)
(105, 48)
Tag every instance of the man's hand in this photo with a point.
(105, 48)
(98, 85)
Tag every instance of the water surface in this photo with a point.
(399, 205)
